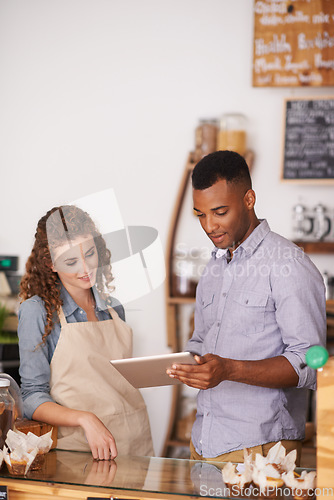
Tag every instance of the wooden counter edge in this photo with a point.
(23, 489)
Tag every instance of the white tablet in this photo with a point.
(150, 371)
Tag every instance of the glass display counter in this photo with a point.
(75, 475)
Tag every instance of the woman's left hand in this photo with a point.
(100, 439)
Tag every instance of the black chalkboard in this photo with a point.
(308, 152)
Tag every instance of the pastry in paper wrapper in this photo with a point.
(301, 487)
(267, 470)
(29, 442)
(236, 480)
(43, 444)
(19, 461)
(278, 458)
(268, 480)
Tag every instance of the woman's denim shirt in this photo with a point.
(35, 358)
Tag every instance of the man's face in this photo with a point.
(225, 212)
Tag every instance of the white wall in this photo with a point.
(107, 93)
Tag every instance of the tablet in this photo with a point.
(150, 371)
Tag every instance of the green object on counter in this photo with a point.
(316, 357)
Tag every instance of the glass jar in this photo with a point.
(232, 133)
(206, 138)
(302, 223)
(183, 284)
(6, 410)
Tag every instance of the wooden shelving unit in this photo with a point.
(316, 247)
(173, 303)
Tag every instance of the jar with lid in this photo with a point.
(302, 222)
(183, 275)
(206, 138)
(232, 133)
(7, 404)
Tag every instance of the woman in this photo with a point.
(69, 329)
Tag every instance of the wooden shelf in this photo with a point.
(181, 300)
(320, 247)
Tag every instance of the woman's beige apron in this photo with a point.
(82, 378)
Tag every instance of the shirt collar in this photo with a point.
(250, 244)
(256, 237)
(69, 304)
(219, 252)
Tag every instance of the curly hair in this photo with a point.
(57, 227)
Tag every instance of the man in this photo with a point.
(260, 305)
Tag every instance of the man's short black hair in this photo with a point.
(221, 165)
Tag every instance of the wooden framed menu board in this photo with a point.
(293, 43)
(308, 149)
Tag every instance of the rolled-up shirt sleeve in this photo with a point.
(300, 302)
(34, 357)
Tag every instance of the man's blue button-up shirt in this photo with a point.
(269, 300)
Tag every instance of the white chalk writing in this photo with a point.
(298, 17)
(294, 67)
(286, 80)
(319, 42)
(262, 65)
(320, 18)
(273, 8)
(275, 46)
(319, 62)
(314, 78)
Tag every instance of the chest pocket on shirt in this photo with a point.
(207, 301)
(248, 310)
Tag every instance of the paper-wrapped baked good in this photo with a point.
(278, 458)
(267, 470)
(238, 479)
(302, 487)
(43, 444)
(268, 480)
(28, 442)
(19, 461)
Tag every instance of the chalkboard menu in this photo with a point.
(308, 152)
(293, 43)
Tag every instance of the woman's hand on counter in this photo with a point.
(100, 440)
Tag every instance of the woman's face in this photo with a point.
(76, 263)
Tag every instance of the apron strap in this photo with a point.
(113, 313)
(62, 318)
